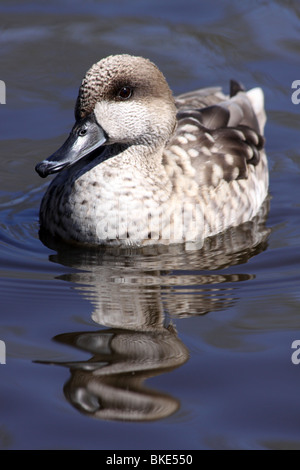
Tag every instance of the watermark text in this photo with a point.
(141, 222)
(296, 94)
(2, 352)
(296, 354)
(2, 92)
(150, 459)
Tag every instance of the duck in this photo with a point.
(142, 166)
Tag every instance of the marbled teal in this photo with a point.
(142, 167)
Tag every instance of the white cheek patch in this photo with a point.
(122, 121)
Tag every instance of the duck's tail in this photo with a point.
(257, 100)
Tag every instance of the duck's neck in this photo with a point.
(141, 155)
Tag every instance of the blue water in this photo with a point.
(157, 349)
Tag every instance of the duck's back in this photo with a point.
(217, 152)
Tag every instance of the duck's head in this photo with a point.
(122, 100)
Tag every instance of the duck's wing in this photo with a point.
(200, 98)
(217, 137)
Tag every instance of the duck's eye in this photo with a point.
(125, 93)
(82, 132)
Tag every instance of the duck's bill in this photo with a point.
(85, 137)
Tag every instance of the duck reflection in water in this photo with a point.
(137, 295)
(110, 385)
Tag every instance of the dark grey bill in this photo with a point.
(85, 137)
